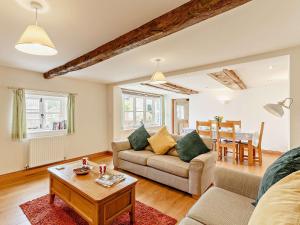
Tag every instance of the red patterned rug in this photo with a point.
(40, 212)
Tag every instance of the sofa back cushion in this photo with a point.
(190, 146)
(282, 167)
(280, 204)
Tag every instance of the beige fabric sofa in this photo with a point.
(228, 202)
(194, 177)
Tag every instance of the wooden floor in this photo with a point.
(169, 201)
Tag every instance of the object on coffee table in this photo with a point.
(82, 170)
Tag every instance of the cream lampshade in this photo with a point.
(158, 77)
(277, 109)
(35, 39)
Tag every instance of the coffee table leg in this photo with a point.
(132, 216)
(132, 212)
(52, 196)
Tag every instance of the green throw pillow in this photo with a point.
(190, 146)
(282, 167)
(138, 139)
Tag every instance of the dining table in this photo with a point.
(241, 136)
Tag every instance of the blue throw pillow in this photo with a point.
(282, 167)
(138, 139)
(190, 146)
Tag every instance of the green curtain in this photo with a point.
(71, 114)
(19, 115)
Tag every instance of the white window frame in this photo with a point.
(43, 132)
(145, 97)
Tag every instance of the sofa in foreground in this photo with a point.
(228, 202)
(194, 177)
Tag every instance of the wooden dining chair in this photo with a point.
(226, 140)
(204, 129)
(256, 142)
(237, 124)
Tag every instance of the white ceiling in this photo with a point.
(254, 74)
(75, 28)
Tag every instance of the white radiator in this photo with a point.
(47, 150)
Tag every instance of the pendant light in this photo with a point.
(277, 109)
(158, 77)
(35, 40)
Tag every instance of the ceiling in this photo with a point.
(254, 74)
(76, 28)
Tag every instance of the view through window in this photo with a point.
(45, 113)
(139, 108)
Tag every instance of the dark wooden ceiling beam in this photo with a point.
(177, 19)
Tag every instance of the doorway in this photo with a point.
(180, 115)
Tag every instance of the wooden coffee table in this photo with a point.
(98, 205)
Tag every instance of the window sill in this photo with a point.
(147, 128)
(45, 133)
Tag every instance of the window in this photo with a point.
(180, 112)
(143, 108)
(45, 113)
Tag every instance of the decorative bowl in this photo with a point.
(82, 171)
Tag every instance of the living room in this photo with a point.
(120, 103)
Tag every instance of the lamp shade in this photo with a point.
(275, 109)
(36, 41)
(158, 78)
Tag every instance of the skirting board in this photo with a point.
(272, 152)
(17, 176)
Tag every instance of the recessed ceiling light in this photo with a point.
(270, 67)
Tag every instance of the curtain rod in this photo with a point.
(29, 89)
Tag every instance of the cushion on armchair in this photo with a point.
(282, 167)
(190, 146)
(280, 204)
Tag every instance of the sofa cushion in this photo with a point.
(190, 146)
(173, 152)
(280, 204)
(138, 157)
(169, 164)
(286, 164)
(220, 207)
(162, 141)
(138, 139)
(189, 221)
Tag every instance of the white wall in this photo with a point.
(295, 94)
(90, 116)
(247, 106)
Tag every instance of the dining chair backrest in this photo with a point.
(258, 141)
(226, 130)
(237, 123)
(203, 128)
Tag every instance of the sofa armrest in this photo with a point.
(118, 146)
(238, 182)
(201, 172)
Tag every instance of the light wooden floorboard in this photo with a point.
(167, 200)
